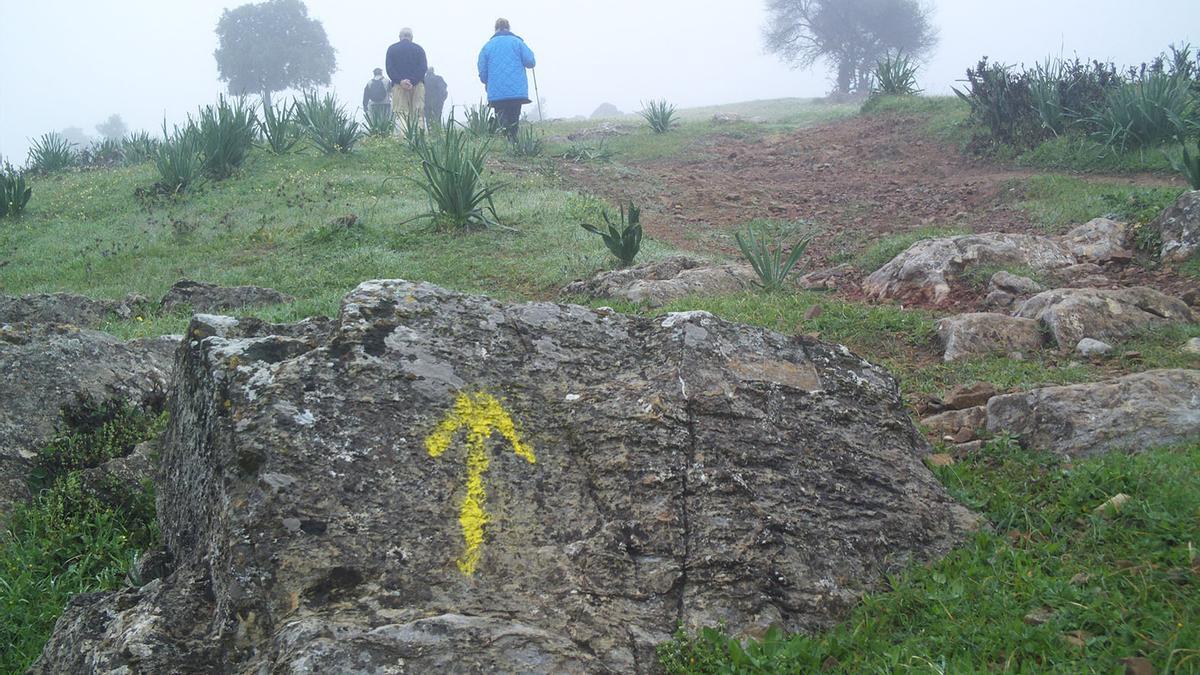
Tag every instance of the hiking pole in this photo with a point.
(538, 95)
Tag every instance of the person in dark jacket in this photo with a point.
(435, 95)
(376, 95)
(502, 64)
(406, 66)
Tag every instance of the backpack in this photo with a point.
(377, 91)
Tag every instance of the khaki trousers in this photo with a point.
(407, 102)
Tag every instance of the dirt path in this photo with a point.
(856, 179)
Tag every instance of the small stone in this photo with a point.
(1191, 297)
(1039, 616)
(964, 435)
(813, 312)
(1113, 505)
(1133, 356)
(999, 299)
(1090, 347)
(1192, 346)
(1137, 665)
(969, 395)
(291, 524)
(1013, 284)
(940, 459)
(1080, 579)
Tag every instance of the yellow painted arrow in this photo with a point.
(480, 414)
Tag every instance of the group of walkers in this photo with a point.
(411, 89)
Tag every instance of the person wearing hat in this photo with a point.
(502, 64)
(406, 66)
(375, 95)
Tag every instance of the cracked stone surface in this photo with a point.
(687, 470)
(67, 308)
(1072, 314)
(1179, 228)
(200, 296)
(658, 282)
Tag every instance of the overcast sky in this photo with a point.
(75, 62)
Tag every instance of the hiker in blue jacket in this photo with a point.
(502, 64)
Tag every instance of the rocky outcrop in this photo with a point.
(1137, 412)
(979, 334)
(449, 483)
(658, 282)
(48, 369)
(1072, 314)
(204, 297)
(926, 271)
(67, 308)
(1098, 240)
(1179, 228)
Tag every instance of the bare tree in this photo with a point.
(851, 35)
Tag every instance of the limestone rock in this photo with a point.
(655, 471)
(67, 308)
(48, 368)
(1014, 284)
(1098, 240)
(1090, 347)
(1072, 314)
(829, 279)
(953, 422)
(658, 282)
(1192, 346)
(204, 297)
(967, 335)
(1083, 275)
(969, 395)
(927, 270)
(1137, 412)
(1179, 227)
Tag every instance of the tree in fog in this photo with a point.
(850, 35)
(113, 127)
(272, 46)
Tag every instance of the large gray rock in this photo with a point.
(205, 297)
(50, 368)
(314, 492)
(1072, 314)
(658, 282)
(983, 333)
(1099, 239)
(67, 308)
(1179, 227)
(929, 268)
(1136, 412)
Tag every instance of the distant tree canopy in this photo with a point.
(851, 35)
(113, 127)
(272, 46)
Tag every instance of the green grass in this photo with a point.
(889, 246)
(1060, 202)
(1124, 584)
(942, 117)
(73, 536)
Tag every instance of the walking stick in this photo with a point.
(541, 117)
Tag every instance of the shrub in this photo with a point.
(529, 143)
(660, 115)
(380, 121)
(138, 147)
(327, 123)
(279, 129)
(895, 75)
(414, 134)
(1000, 101)
(1188, 165)
(96, 435)
(625, 241)
(768, 261)
(1146, 112)
(226, 133)
(178, 160)
(452, 170)
(52, 152)
(14, 193)
(105, 152)
(479, 120)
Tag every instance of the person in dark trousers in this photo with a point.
(406, 66)
(376, 94)
(435, 96)
(502, 64)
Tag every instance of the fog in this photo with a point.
(74, 63)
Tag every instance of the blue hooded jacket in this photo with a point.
(502, 64)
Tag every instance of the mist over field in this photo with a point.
(73, 64)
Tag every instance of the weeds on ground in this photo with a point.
(529, 143)
(1105, 585)
(1188, 165)
(1057, 202)
(625, 241)
(585, 152)
(380, 121)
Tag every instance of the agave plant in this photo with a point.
(14, 193)
(380, 121)
(278, 128)
(327, 123)
(625, 241)
(768, 261)
(52, 152)
(178, 160)
(528, 143)
(1147, 112)
(479, 120)
(138, 147)
(226, 132)
(105, 152)
(1188, 165)
(414, 134)
(660, 115)
(452, 171)
(895, 75)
